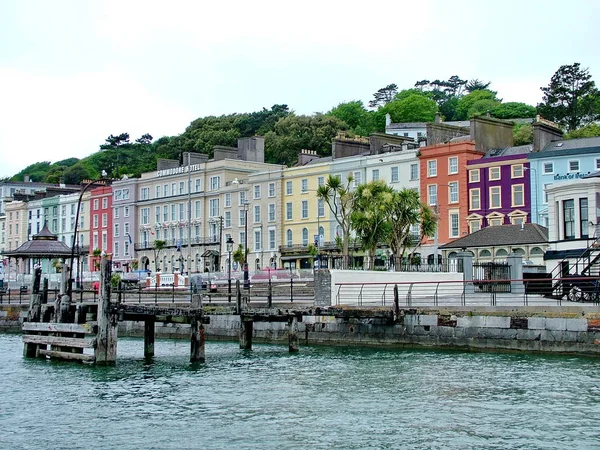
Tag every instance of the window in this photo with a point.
(432, 168)
(305, 236)
(288, 211)
(243, 217)
(432, 194)
(144, 193)
(474, 225)
(256, 213)
(181, 212)
(597, 164)
(157, 214)
(546, 186)
(569, 219)
(516, 171)
(157, 192)
(95, 221)
(145, 213)
(574, 165)
(288, 238)
(243, 198)
(118, 194)
(584, 224)
(126, 194)
(495, 200)
(517, 220)
(227, 219)
(304, 183)
(96, 205)
(321, 181)
(357, 178)
(321, 208)
(116, 212)
(271, 212)
(271, 239)
(454, 229)
(215, 183)
(548, 167)
(214, 207)
(474, 199)
(453, 165)
(414, 172)
(453, 191)
(228, 200)
(494, 173)
(495, 222)
(305, 209)
(126, 228)
(256, 191)
(257, 240)
(116, 249)
(518, 196)
(197, 185)
(395, 175)
(375, 174)
(271, 189)
(173, 213)
(288, 188)
(105, 202)
(126, 250)
(116, 230)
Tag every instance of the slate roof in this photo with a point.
(509, 151)
(44, 245)
(567, 147)
(530, 233)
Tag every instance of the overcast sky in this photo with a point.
(74, 72)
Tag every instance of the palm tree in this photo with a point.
(340, 200)
(158, 246)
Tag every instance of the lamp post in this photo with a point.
(534, 206)
(219, 220)
(246, 278)
(85, 188)
(229, 243)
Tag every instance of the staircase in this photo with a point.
(587, 264)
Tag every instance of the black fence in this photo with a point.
(491, 277)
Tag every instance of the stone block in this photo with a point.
(411, 320)
(445, 332)
(463, 322)
(497, 322)
(536, 323)
(577, 325)
(556, 324)
(427, 319)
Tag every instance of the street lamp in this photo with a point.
(229, 243)
(246, 204)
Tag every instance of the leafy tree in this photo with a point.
(571, 99)
(159, 245)
(355, 115)
(239, 255)
(340, 200)
(481, 107)
(144, 139)
(477, 85)
(261, 122)
(591, 130)
(77, 173)
(368, 217)
(523, 134)
(413, 108)
(513, 110)
(466, 102)
(383, 96)
(116, 141)
(294, 133)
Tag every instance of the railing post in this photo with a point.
(292, 289)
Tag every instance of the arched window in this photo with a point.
(536, 251)
(485, 254)
(304, 236)
(519, 251)
(288, 238)
(501, 253)
(257, 263)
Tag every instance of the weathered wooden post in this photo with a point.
(35, 311)
(106, 348)
(63, 305)
(238, 297)
(293, 334)
(246, 331)
(396, 301)
(197, 350)
(149, 323)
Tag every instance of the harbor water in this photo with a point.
(319, 398)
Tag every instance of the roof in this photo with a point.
(566, 147)
(509, 151)
(529, 233)
(44, 245)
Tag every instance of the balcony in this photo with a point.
(174, 243)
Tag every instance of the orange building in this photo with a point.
(444, 187)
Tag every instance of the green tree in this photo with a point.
(591, 130)
(406, 209)
(571, 99)
(466, 102)
(413, 108)
(368, 217)
(355, 115)
(476, 85)
(513, 110)
(340, 200)
(239, 255)
(481, 107)
(523, 134)
(383, 96)
(158, 246)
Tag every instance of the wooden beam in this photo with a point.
(59, 341)
(58, 327)
(66, 355)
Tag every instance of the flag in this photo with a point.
(152, 232)
(129, 236)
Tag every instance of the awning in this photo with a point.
(210, 253)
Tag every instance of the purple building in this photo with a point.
(124, 223)
(499, 188)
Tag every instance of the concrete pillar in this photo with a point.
(322, 283)
(293, 334)
(466, 266)
(246, 330)
(106, 348)
(515, 262)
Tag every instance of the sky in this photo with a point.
(73, 72)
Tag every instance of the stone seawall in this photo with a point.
(574, 330)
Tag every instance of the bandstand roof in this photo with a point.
(44, 245)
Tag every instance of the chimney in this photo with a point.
(26, 179)
(388, 120)
(544, 132)
(438, 117)
(306, 156)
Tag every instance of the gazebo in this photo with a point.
(43, 246)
